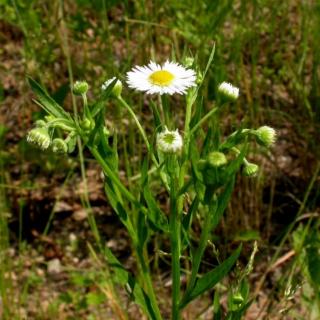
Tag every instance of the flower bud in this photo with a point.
(59, 146)
(266, 136)
(250, 169)
(39, 137)
(216, 159)
(169, 141)
(228, 91)
(106, 131)
(49, 118)
(40, 123)
(200, 77)
(237, 298)
(117, 88)
(188, 62)
(87, 124)
(80, 88)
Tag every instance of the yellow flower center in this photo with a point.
(161, 78)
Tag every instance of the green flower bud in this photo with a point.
(80, 88)
(228, 91)
(39, 137)
(40, 123)
(266, 136)
(216, 159)
(237, 298)
(106, 131)
(49, 118)
(87, 124)
(59, 146)
(250, 169)
(199, 77)
(116, 90)
(188, 62)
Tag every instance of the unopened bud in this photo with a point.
(40, 123)
(266, 136)
(59, 146)
(117, 88)
(49, 118)
(39, 137)
(80, 88)
(87, 124)
(237, 298)
(228, 91)
(217, 159)
(250, 169)
(169, 141)
(188, 62)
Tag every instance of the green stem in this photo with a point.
(110, 173)
(198, 255)
(175, 230)
(144, 136)
(165, 107)
(148, 284)
(141, 258)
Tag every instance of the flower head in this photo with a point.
(80, 87)
(217, 159)
(59, 146)
(266, 136)
(39, 137)
(228, 91)
(116, 90)
(250, 169)
(169, 141)
(167, 79)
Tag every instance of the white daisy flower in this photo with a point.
(229, 91)
(169, 141)
(167, 79)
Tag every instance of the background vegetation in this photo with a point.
(269, 49)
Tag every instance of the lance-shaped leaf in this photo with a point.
(155, 215)
(124, 278)
(210, 279)
(46, 102)
(96, 108)
(223, 200)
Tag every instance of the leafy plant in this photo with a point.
(200, 166)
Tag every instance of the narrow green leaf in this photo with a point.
(100, 104)
(234, 165)
(313, 259)
(223, 200)
(210, 279)
(156, 115)
(197, 114)
(155, 215)
(117, 206)
(216, 306)
(46, 102)
(120, 273)
(124, 278)
(142, 229)
(187, 220)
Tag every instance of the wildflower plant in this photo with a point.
(196, 167)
